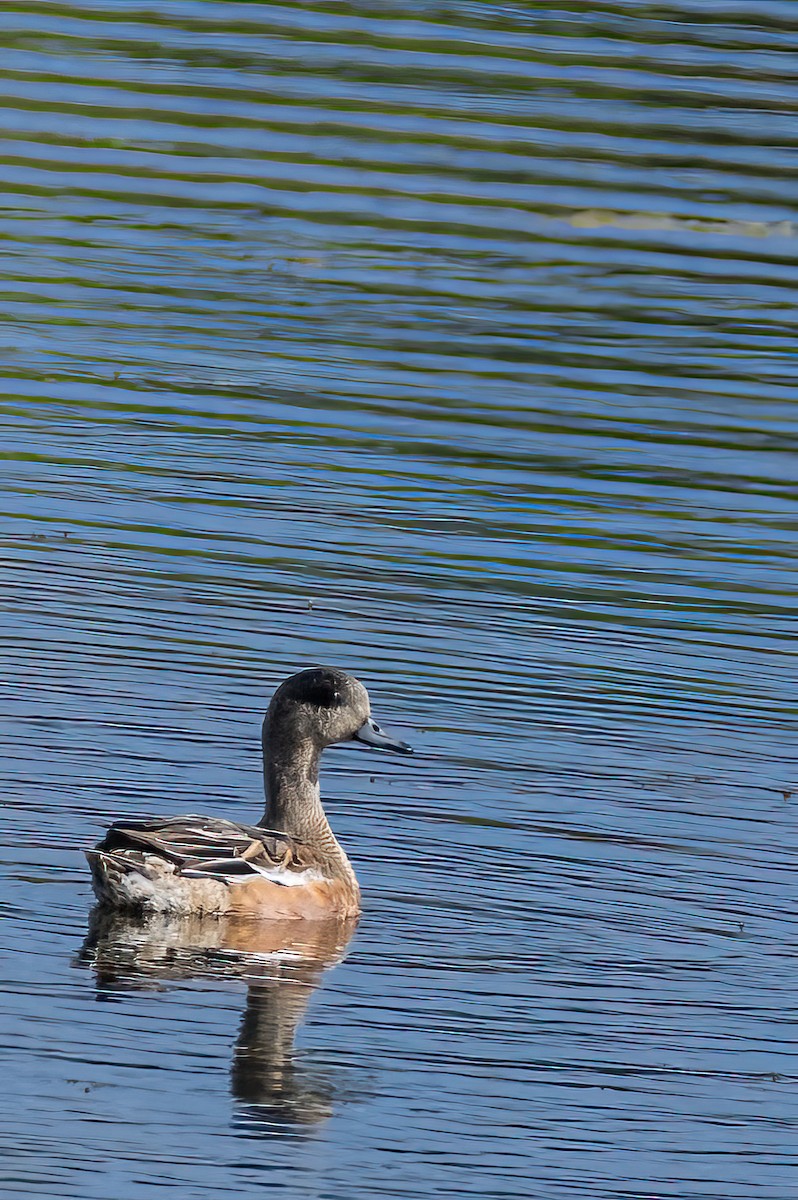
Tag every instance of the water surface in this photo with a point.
(452, 344)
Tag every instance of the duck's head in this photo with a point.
(325, 705)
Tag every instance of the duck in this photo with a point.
(289, 865)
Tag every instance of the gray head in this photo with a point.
(324, 705)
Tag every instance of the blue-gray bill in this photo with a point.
(370, 733)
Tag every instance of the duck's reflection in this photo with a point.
(282, 963)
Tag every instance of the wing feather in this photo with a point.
(212, 848)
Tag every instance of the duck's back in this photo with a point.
(195, 864)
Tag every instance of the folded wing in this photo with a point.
(211, 848)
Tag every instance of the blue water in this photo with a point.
(452, 344)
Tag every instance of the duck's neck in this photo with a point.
(293, 799)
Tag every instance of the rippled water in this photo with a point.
(453, 344)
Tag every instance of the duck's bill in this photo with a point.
(370, 733)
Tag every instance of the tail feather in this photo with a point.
(107, 873)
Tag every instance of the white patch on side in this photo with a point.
(276, 874)
(288, 878)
